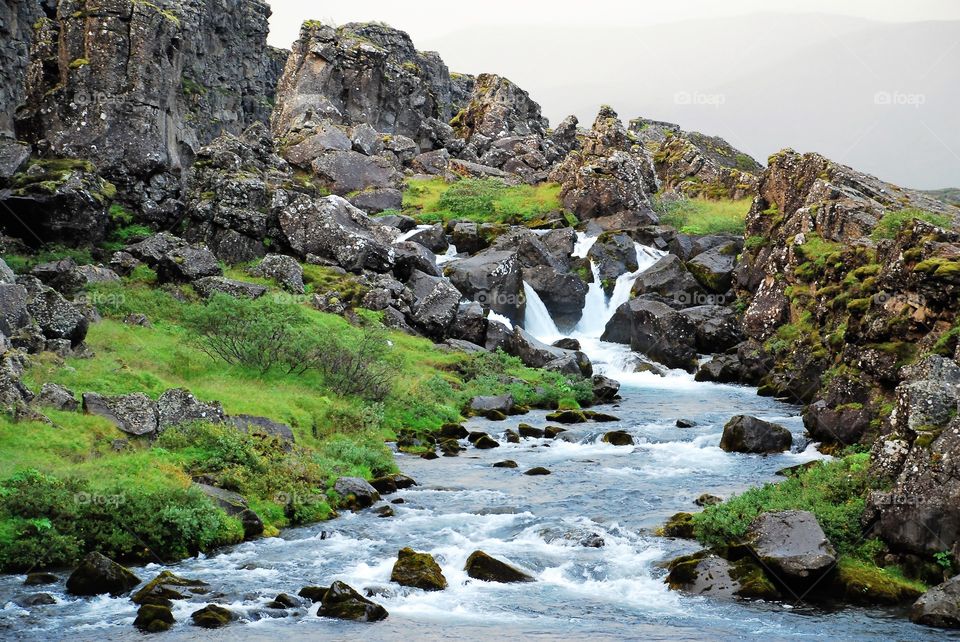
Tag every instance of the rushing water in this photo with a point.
(463, 504)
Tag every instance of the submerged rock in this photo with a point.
(98, 574)
(567, 417)
(506, 463)
(745, 434)
(212, 617)
(419, 570)
(481, 566)
(313, 593)
(343, 603)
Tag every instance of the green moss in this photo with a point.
(482, 201)
(78, 63)
(680, 525)
(863, 582)
(893, 222)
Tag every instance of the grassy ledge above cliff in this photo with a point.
(79, 483)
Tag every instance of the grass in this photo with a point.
(701, 216)
(481, 200)
(45, 467)
(893, 222)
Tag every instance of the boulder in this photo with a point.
(492, 278)
(411, 257)
(356, 493)
(433, 163)
(343, 603)
(154, 618)
(212, 616)
(40, 579)
(567, 417)
(506, 463)
(334, 229)
(318, 139)
(433, 238)
(713, 576)
(536, 354)
(178, 406)
(187, 264)
(605, 389)
(717, 328)
(165, 587)
(671, 280)
(537, 471)
(940, 606)
(58, 397)
(313, 593)
(484, 405)
(618, 438)
(57, 317)
(419, 570)
(744, 434)
(435, 304)
(614, 253)
(151, 250)
(792, 545)
(486, 442)
(713, 269)
(99, 575)
(253, 425)
(211, 285)
(481, 566)
(13, 308)
(656, 330)
(562, 293)
(284, 270)
(529, 432)
(135, 414)
(348, 171)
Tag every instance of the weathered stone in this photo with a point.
(285, 270)
(745, 434)
(342, 602)
(356, 493)
(481, 566)
(209, 286)
(98, 575)
(135, 414)
(235, 505)
(940, 606)
(212, 616)
(792, 544)
(58, 397)
(419, 570)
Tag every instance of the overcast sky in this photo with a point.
(765, 74)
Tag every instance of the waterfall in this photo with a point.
(448, 256)
(537, 320)
(583, 245)
(406, 235)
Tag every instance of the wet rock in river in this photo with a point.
(481, 566)
(212, 617)
(707, 574)
(567, 417)
(36, 579)
(313, 593)
(551, 432)
(707, 500)
(284, 601)
(343, 603)
(356, 493)
(618, 438)
(511, 436)
(940, 606)
(35, 599)
(486, 442)
(745, 434)
(599, 417)
(685, 423)
(507, 463)
(419, 570)
(680, 526)
(98, 574)
(536, 472)
(529, 432)
(792, 545)
(154, 618)
(165, 587)
(453, 431)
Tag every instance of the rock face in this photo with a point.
(98, 575)
(418, 570)
(135, 414)
(492, 278)
(343, 603)
(481, 566)
(693, 164)
(744, 434)
(940, 606)
(16, 33)
(196, 68)
(656, 330)
(792, 545)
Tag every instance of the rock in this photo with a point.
(529, 432)
(166, 587)
(98, 575)
(450, 447)
(656, 330)
(56, 317)
(605, 389)
(485, 405)
(402, 222)
(493, 279)
(253, 425)
(285, 270)
(939, 607)
(38, 579)
(707, 500)
(433, 238)
(453, 431)
(537, 472)
(506, 463)
(592, 540)
(179, 406)
(334, 229)
(843, 425)
(435, 304)
(57, 397)
(618, 438)
(685, 423)
(419, 570)
(69, 279)
(347, 171)
(562, 293)
(537, 354)
(679, 525)
(792, 545)
(235, 505)
(135, 414)
(313, 593)
(384, 511)
(343, 603)
(413, 257)
(717, 328)
(356, 493)
(35, 599)
(212, 617)
(551, 432)
(284, 601)
(486, 442)
(13, 157)
(670, 279)
(707, 574)
(745, 434)
(154, 618)
(433, 163)
(481, 566)
(317, 139)
(567, 417)
(211, 285)
(13, 308)
(187, 264)
(713, 269)
(600, 417)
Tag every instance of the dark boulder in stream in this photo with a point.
(744, 434)
(212, 617)
(343, 603)
(481, 566)
(419, 570)
(98, 575)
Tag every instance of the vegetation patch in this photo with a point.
(481, 200)
(893, 222)
(704, 216)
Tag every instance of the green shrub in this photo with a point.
(702, 216)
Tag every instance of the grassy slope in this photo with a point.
(484, 201)
(705, 216)
(336, 435)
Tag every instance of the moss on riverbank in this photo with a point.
(80, 484)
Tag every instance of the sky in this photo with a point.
(871, 84)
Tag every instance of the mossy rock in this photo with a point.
(537, 472)
(212, 617)
(163, 588)
(419, 570)
(154, 618)
(618, 438)
(453, 431)
(314, 593)
(567, 417)
(495, 415)
(551, 432)
(344, 603)
(599, 417)
(680, 525)
(863, 583)
(507, 463)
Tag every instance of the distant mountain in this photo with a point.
(947, 195)
(877, 96)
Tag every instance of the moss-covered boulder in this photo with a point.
(600, 417)
(706, 573)
(567, 417)
(98, 574)
(356, 493)
(419, 570)
(343, 603)
(154, 618)
(166, 587)
(486, 442)
(680, 525)
(212, 617)
(506, 463)
(618, 438)
(529, 432)
(314, 593)
(537, 471)
(551, 432)
(481, 566)
(863, 583)
(453, 431)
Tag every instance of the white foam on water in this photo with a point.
(582, 247)
(411, 233)
(537, 320)
(495, 316)
(449, 255)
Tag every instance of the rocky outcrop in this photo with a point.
(17, 20)
(160, 80)
(656, 330)
(940, 606)
(693, 164)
